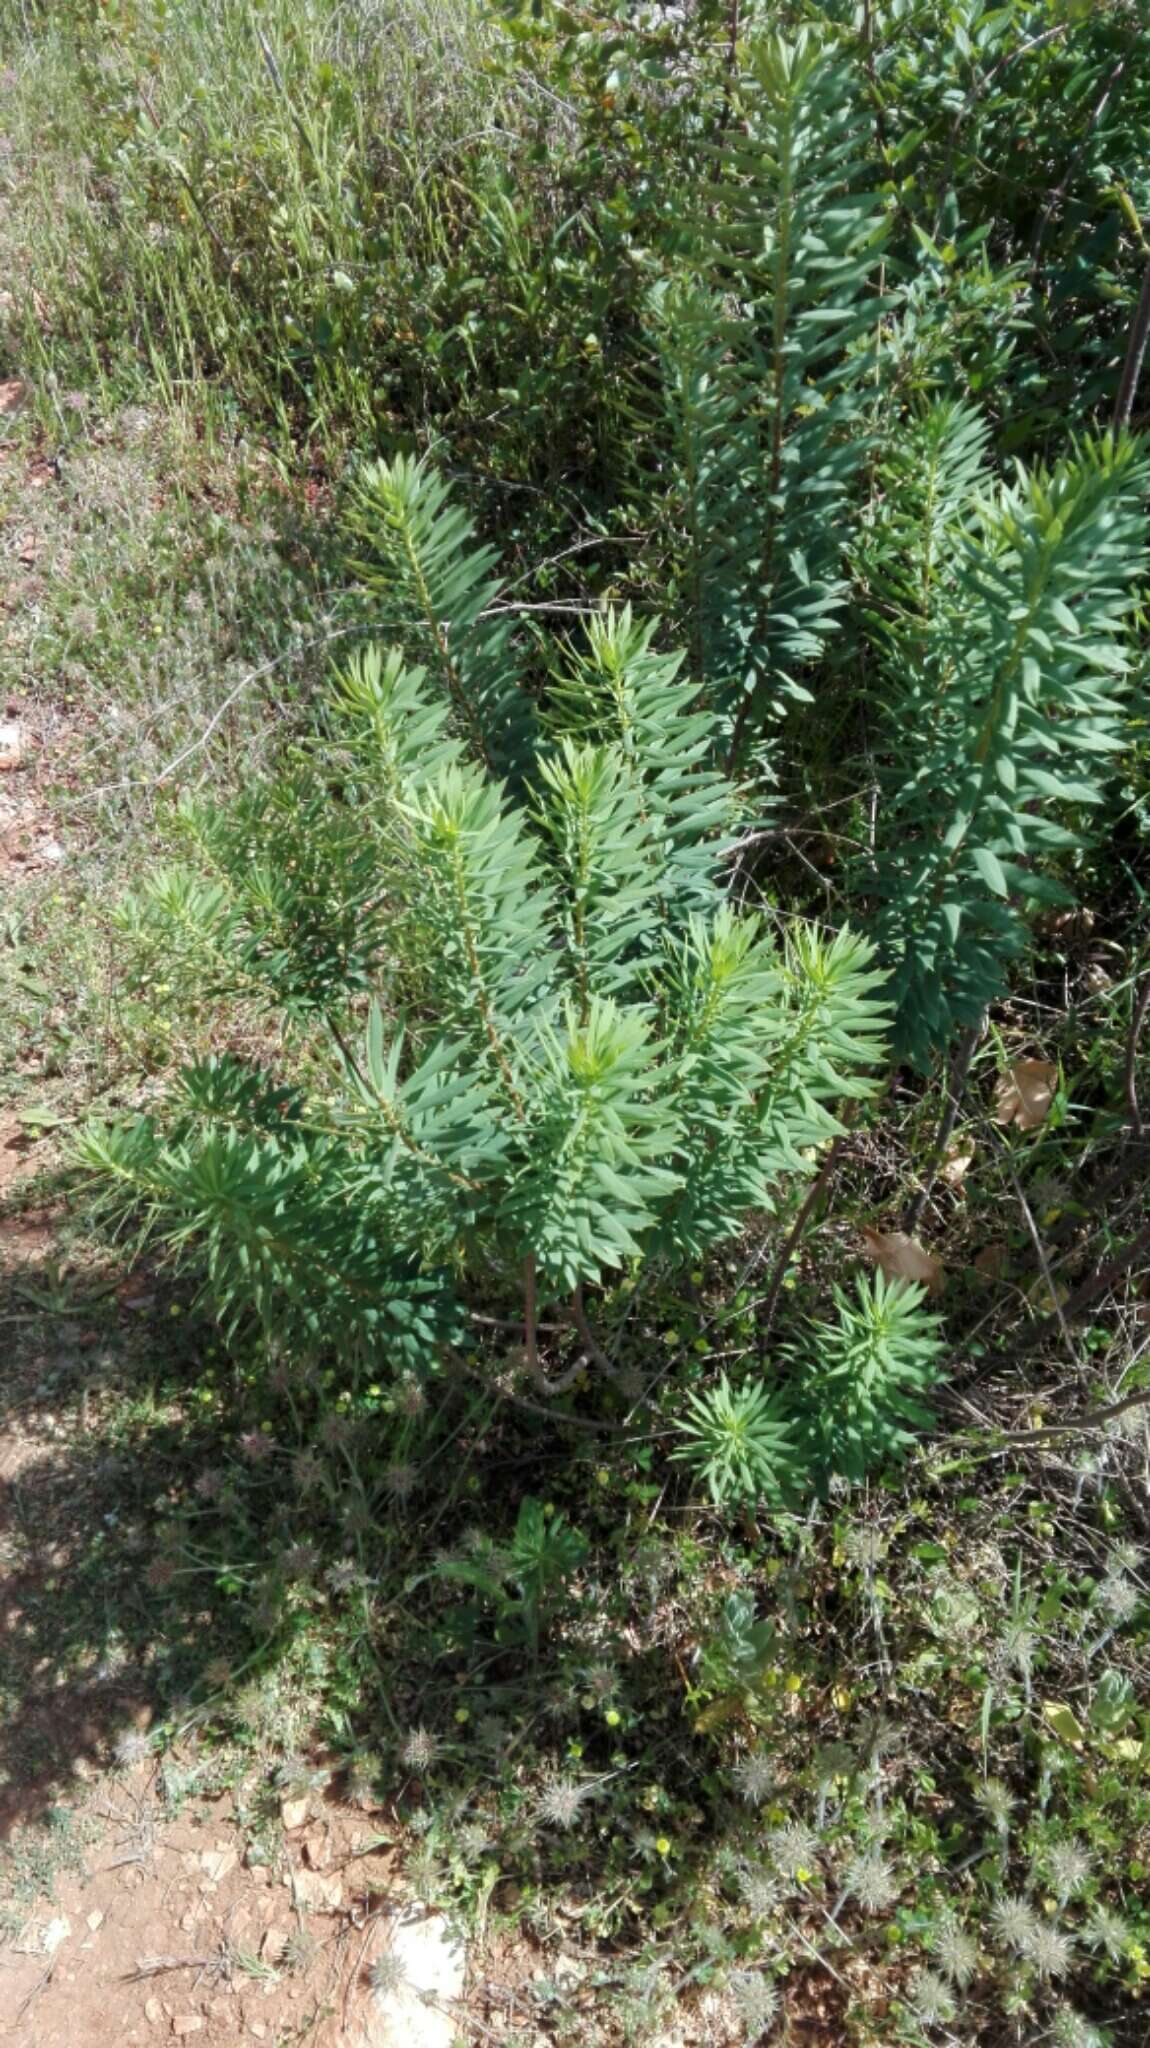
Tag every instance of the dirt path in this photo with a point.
(171, 1930)
(126, 1914)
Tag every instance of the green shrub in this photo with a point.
(1007, 670)
(579, 1059)
(852, 1400)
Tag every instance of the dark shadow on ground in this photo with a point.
(99, 1634)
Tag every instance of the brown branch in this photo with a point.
(817, 1187)
(552, 1415)
(1094, 1418)
(1135, 355)
(1130, 1077)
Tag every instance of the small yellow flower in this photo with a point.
(662, 1845)
(793, 1683)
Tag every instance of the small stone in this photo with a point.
(294, 1812)
(274, 1943)
(317, 1849)
(219, 1863)
(220, 2008)
(153, 2011)
(55, 1932)
(259, 2028)
(95, 1920)
(187, 2023)
(319, 1894)
(11, 746)
(188, 1922)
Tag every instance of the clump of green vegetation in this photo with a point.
(588, 575)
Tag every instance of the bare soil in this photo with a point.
(170, 1934)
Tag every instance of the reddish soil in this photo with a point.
(169, 1935)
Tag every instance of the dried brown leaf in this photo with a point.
(957, 1164)
(1023, 1094)
(992, 1261)
(900, 1257)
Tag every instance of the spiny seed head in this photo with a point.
(472, 1839)
(560, 1803)
(1107, 1930)
(299, 1949)
(1068, 1865)
(757, 1999)
(257, 1446)
(210, 1484)
(300, 1560)
(306, 1470)
(602, 1681)
(865, 1547)
(336, 1430)
(1071, 2030)
(1018, 1646)
(160, 1574)
(996, 1803)
(424, 1874)
(1051, 1951)
(1126, 1557)
(344, 1576)
(793, 1847)
(755, 1777)
(419, 1750)
(956, 1951)
(1015, 1923)
(931, 1997)
(871, 1882)
(217, 1674)
(401, 1481)
(760, 1890)
(131, 1747)
(1120, 1597)
(386, 1974)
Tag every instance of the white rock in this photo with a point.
(55, 1932)
(11, 745)
(418, 2014)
